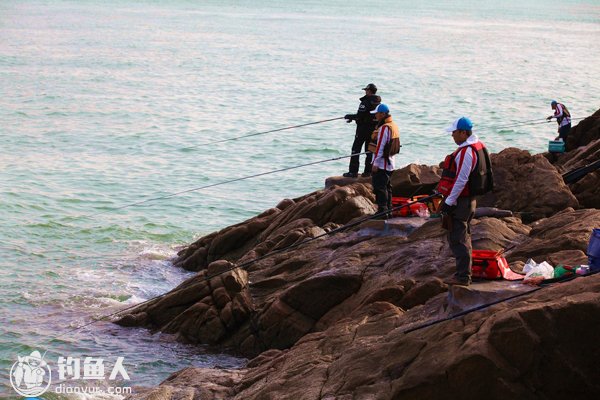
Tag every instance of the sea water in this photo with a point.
(109, 103)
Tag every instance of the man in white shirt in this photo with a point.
(563, 118)
(457, 187)
(383, 161)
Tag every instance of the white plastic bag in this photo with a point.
(533, 270)
(423, 212)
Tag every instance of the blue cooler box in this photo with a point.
(556, 146)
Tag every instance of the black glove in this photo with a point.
(446, 209)
(348, 118)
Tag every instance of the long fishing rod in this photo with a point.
(534, 123)
(259, 133)
(513, 124)
(218, 184)
(493, 303)
(525, 123)
(255, 260)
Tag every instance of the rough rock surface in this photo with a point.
(415, 180)
(560, 239)
(312, 313)
(585, 132)
(583, 148)
(528, 184)
(587, 190)
(409, 181)
(194, 383)
(540, 345)
(291, 221)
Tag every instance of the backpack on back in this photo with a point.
(392, 147)
(481, 180)
(566, 112)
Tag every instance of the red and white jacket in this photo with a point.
(465, 160)
(561, 118)
(384, 135)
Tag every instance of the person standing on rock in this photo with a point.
(365, 125)
(388, 145)
(467, 173)
(563, 118)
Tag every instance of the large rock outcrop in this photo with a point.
(364, 314)
(585, 132)
(413, 179)
(527, 184)
(583, 148)
(330, 319)
(539, 345)
(291, 221)
(274, 302)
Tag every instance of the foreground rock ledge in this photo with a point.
(539, 346)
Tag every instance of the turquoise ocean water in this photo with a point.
(99, 99)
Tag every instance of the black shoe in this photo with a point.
(365, 174)
(350, 175)
(454, 281)
(381, 214)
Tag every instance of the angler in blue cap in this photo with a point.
(563, 118)
(386, 146)
(467, 173)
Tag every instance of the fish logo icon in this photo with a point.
(30, 375)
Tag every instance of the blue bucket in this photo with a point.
(593, 250)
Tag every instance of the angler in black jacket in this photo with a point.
(365, 125)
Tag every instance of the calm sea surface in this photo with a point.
(100, 99)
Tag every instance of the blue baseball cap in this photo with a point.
(553, 103)
(381, 108)
(461, 124)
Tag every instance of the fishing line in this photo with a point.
(259, 133)
(217, 184)
(512, 124)
(524, 123)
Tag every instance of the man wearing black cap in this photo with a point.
(365, 125)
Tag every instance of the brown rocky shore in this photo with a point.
(363, 313)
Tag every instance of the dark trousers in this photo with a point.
(459, 237)
(563, 132)
(382, 187)
(361, 139)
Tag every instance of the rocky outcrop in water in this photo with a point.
(364, 314)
